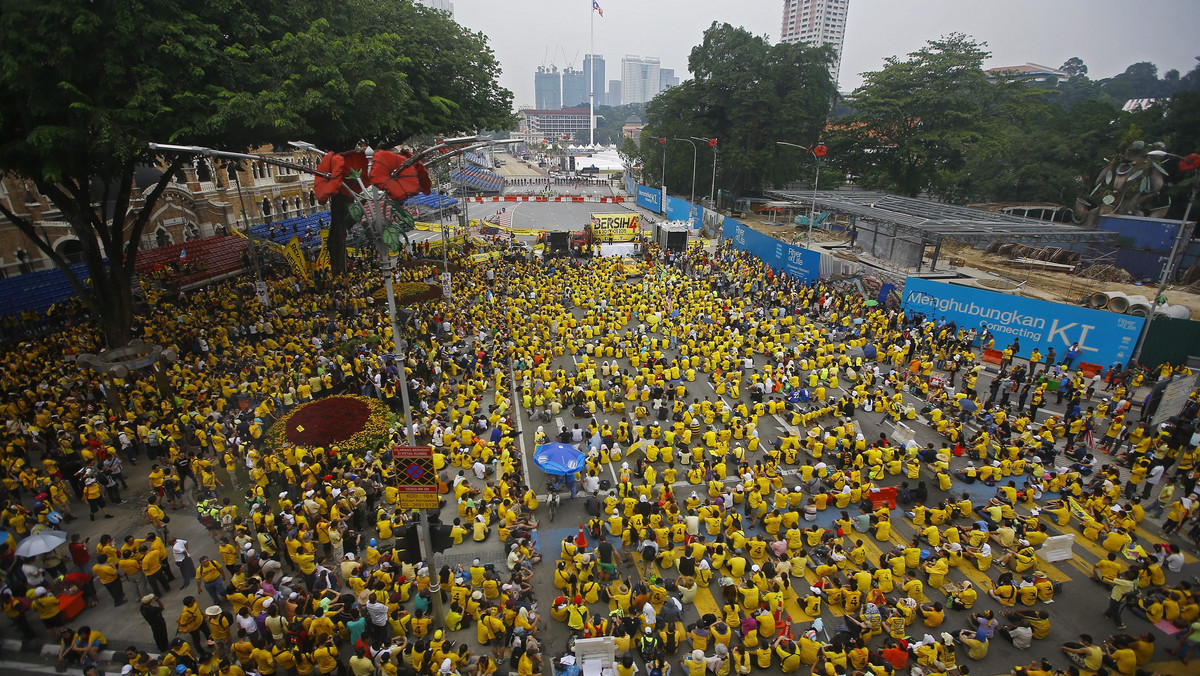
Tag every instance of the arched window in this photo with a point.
(162, 237)
(190, 231)
(71, 250)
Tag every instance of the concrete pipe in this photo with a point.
(1117, 301)
(1098, 300)
(1139, 306)
(1175, 311)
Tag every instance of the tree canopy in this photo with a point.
(936, 123)
(748, 94)
(89, 83)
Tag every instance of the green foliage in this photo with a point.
(609, 120)
(918, 119)
(88, 83)
(936, 124)
(350, 347)
(397, 228)
(748, 94)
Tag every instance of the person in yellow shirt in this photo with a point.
(325, 658)
(110, 577)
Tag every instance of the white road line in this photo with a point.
(516, 407)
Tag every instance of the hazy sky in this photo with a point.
(1108, 35)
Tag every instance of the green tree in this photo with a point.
(748, 94)
(376, 73)
(89, 83)
(918, 119)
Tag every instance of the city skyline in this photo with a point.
(1103, 33)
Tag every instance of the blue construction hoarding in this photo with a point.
(796, 261)
(1105, 337)
(683, 210)
(649, 198)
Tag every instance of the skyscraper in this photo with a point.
(667, 79)
(639, 78)
(444, 5)
(816, 22)
(574, 88)
(547, 88)
(614, 93)
(596, 77)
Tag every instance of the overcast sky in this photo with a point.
(1108, 35)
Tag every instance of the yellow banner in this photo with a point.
(487, 256)
(615, 227)
(435, 227)
(436, 244)
(295, 257)
(323, 257)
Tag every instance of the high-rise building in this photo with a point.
(667, 79)
(595, 76)
(444, 5)
(547, 88)
(816, 22)
(639, 78)
(614, 94)
(574, 88)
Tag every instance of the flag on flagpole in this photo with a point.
(183, 253)
(596, 6)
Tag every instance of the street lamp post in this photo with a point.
(1177, 246)
(817, 152)
(692, 205)
(712, 142)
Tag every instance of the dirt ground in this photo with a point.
(1045, 284)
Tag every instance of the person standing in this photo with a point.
(1124, 585)
(152, 612)
(110, 577)
(14, 608)
(212, 577)
(183, 559)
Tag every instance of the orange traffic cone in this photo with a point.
(785, 629)
(581, 539)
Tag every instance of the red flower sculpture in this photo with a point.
(1190, 163)
(398, 181)
(325, 188)
(341, 168)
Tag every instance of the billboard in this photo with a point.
(796, 261)
(1104, 337)
(649, 198)
(616, 227)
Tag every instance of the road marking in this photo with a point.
(516, 406)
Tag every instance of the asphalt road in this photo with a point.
(1078, 608)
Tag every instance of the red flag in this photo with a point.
(712, 142)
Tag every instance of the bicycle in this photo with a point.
(552, 502)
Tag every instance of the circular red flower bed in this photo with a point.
(327, 421)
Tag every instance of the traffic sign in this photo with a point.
(416, 477)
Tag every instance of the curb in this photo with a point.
(50, 650)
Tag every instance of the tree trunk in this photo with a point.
(339, 214)
(116, 308)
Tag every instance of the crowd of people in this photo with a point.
(672, 371)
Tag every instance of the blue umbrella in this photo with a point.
(558, 459)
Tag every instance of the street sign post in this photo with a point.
(416, 477)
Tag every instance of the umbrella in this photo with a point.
(558, 459)
(967, 405)
(5, 537)
(869, 351)
(871, 303)
(40, 543)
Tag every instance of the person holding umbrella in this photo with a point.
(152, 612)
